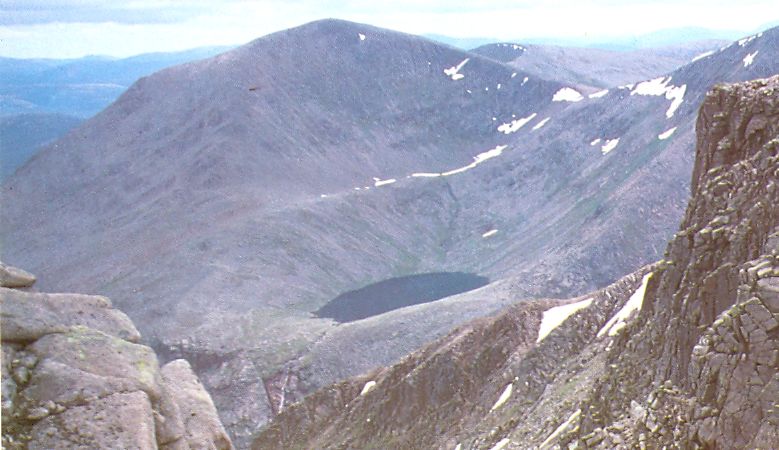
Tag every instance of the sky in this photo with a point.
(75, 28)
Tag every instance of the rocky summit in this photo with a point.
(680, 354)
(74, 376)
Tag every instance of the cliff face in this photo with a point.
(75, 376)
(684, 354)
(711, 329)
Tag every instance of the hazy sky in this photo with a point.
(73, 28)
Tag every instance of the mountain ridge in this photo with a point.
(255, 199)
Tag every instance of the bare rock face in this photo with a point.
(116, 421)
(28, 316)
(11, 277)
(203, 430)
(75, 376)
(687, 357)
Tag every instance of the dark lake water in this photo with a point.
(398, 292)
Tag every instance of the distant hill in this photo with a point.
(596, 67)
(461, 43)
(22, 134)
(79, 87)
(41, 99)
(672, 37)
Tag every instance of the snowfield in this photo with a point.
(634, 303)
(554, 317)
(453, 72)
(515, 125)
(567, 94)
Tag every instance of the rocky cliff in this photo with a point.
(75, 376)
(682, 354)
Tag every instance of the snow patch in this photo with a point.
(524, 81)
(378, 182)
(748, 39)
(489, 233)
(610, 145)
(563, 426)
(323, 196)
(666, 134)
(541, 123)
(515, 125)
(362, 36)
(703, 55)
(750, 58)
(660, 86)
(368, 387)
(501, 444)
(453, 72)
(567, 94)
(619, 320)
(498, 87)
(478, 159)
(503, 397)
(595, 142)
(676, 95)
(553, 317)
(425, 175)
(513, 75)
(599, 94)
(657, 86)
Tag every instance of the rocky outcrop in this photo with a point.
(687, 357)
(75, 376)
(12, 277)
(203, 429)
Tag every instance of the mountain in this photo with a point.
(222, 203)
(79, 87)
(670, 38)
(681, 354)
(22, 134)
(667, 38)
(42, 99)
(75, 376)
(287, 129)
(461, 43)
(596, 67)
